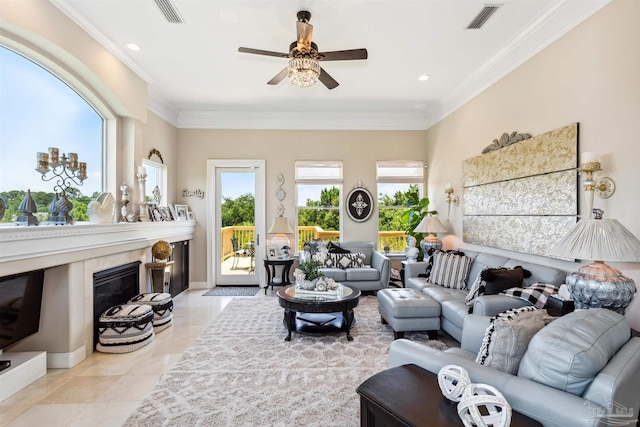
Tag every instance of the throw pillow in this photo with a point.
(350, 260)
(430, 253)
(507, 338)
(500, 279)
(537, 294)
(474, 289)
(335, 249)
(450, 270)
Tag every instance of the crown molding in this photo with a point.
(301, 121)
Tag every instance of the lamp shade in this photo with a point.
(280, 225)
(430, 224)
(599, 240)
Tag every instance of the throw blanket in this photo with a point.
(536, 294)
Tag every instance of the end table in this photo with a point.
(272, 278)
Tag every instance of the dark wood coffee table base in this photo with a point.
(410, 396)
(319, 322)
(313, 314)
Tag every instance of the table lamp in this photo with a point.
(280, 227)
(430, 225)
(598, 285)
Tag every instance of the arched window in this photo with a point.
(37, 111)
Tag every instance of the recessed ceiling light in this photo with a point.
(423, 78)
(134, 47)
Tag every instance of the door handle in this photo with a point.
(257, 239)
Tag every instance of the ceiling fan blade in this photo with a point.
(327, 80)
(278, 77)
(262, 52)
(305, 33)
(343, 55)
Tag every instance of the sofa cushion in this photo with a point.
(450, 270)
(454, 310)
(345, 260)
(507, 338)
(440, 293)
(337, 274)
(497, 280)
(362, 273)
(569, 352)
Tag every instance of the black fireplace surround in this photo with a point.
(113, 286)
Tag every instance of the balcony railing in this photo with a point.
(396, 240)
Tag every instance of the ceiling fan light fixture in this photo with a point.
(303, 71)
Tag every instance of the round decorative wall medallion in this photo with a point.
(359, 204)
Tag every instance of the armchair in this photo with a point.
(611, 396)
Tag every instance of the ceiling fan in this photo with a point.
(304, 69)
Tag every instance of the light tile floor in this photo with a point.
(105, 389)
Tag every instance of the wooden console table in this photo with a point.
(409, 396)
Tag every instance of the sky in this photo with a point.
(38, 111)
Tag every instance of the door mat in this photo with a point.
(232, 291)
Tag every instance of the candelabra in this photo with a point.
(142, 178)
(67, 171)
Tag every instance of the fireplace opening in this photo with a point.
(111, 287)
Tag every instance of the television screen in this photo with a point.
(20, 303)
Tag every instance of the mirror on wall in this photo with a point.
(156, 177)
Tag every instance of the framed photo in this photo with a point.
(359, 204)
(166, 214)
(272, 252)
(172, 210)
(182, 212)
(191, 216)
(153, 213)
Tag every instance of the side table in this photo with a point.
(159, 276)
(272, 277)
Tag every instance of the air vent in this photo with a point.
(169, 11)
(487, 11)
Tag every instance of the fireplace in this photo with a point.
(114, 286)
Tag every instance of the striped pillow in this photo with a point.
(450, 270)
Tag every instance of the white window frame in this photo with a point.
(333, 180)
(409, 172)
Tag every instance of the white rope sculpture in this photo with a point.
(479, 399)
(452, 380)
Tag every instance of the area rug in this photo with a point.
(241, 372)
(232, 291)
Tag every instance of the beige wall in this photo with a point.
(590, 76)
(359, 151)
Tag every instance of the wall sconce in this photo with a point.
(448, 189)
(593, 184)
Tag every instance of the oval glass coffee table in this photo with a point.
(306, 312)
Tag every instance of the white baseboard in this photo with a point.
(198, 285)
(66, 360)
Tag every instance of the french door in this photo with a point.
(235, 222)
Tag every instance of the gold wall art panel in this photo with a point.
(528, 234)
(552, 151)
(549, 194)
(523, 197)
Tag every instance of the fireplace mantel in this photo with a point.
(28, 248)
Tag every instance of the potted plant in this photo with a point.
(418, 208)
